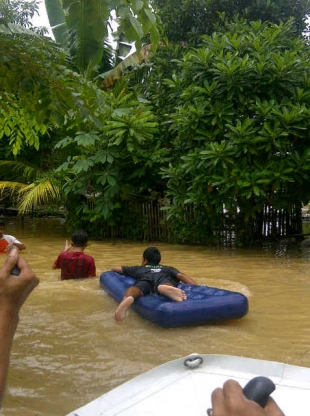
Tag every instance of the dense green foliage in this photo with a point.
(240, 128)
(207, 124)
(38, 91)
(43, 100)
(112, 165)
(85, 29)
(187, 20)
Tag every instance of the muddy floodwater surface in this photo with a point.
(68, 350)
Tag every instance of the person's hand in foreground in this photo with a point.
(14, 290)
(230, 401)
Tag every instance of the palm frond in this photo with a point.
(10, 187)
(18, 170)
(34, 195)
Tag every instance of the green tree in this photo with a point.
(112, 165)
(40, 97)
(43, 100)
(106, 141)
(38, 91)
(240, 128)
(187, 20)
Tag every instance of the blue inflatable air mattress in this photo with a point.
(203, 304)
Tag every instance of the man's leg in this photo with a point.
(172, 292)
(130, 295)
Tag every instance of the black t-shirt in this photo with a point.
(155, 274)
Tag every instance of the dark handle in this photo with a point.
(15, 271)
(259, 389)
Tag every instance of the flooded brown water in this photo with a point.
(68, 350)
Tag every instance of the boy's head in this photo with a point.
(79, 238)
(151, 255)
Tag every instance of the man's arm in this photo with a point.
(117, 269)
(230, 401)
(186, 279)
(14, 291)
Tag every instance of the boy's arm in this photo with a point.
(186, 279)
(14, 291)
(20, 246)
(57, 263)
(66, 248)
(117, 269)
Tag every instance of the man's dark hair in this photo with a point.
(79, 238)
(152, 255)
(2, 223)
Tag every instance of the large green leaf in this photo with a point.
(56, 17)
(87, 25)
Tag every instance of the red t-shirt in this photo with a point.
(75, 265)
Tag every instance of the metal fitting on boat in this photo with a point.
(193, 361)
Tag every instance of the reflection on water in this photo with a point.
(68, 350)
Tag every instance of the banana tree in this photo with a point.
(87, 27)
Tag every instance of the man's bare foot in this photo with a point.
(172, 292)
(121, 312)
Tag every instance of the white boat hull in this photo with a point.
(185, 390)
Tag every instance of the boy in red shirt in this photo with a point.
(7, 242)
(75, 264)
